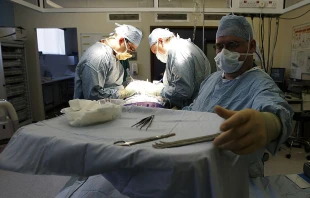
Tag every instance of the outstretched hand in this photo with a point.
(244, 131)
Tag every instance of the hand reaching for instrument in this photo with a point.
(246, 131)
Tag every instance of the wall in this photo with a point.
(284, 49)
(6, 13)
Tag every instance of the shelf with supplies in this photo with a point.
(12, 63)
(14, 80)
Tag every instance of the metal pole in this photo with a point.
(203, 26)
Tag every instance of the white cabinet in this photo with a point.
(14, 80)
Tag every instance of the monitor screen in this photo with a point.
(277, 74)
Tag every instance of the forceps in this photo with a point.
(143, 140)
(184, 142)
(144, 121)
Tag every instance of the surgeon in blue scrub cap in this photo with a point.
(257, 116)
(99, 74)
(186, 66)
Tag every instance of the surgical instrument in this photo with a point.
(184, 142)
(144, 121)
(143, 140)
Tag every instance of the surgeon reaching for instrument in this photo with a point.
(186, 67)
(99, 73)
(256, 112)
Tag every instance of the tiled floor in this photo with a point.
(280, 165)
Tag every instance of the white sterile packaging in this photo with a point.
(87, 112)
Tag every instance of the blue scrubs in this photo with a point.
(98, 75)
(253, 89)
(186, 67)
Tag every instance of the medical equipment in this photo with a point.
(184, 142)
(8, 120)
(133, 142)
(134, 68)
(306, 169)
(144, 121)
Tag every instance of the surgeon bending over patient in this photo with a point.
(186, 66)
(99, 73)
(256, 112)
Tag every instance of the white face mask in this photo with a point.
(162, 57)
(123, 55)
(229, 61)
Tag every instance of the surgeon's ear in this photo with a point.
(252, 46)
(160, 40)
(121, 40)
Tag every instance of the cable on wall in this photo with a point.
(294, 17)
(275, 41)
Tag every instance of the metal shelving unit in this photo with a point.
(14, 80)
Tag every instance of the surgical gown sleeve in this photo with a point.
(187, 66)
(271, 99)
(92, 89)
(97, 75)
(180, 78)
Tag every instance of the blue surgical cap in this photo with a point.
(232, 25)
(159, 33)
(133, 34)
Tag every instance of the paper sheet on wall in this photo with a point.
(88, 39)
(300, 59)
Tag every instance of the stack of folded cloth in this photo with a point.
(86, 112)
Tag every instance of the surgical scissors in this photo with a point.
(144, 121)
(143, 140)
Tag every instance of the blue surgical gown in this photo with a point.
(186, 67)
(253, 89)
(98, 75)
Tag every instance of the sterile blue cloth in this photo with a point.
(92, 187)
(253, 89)
(138, 171)
(277, 186)
(98, 75)
(187, 66)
